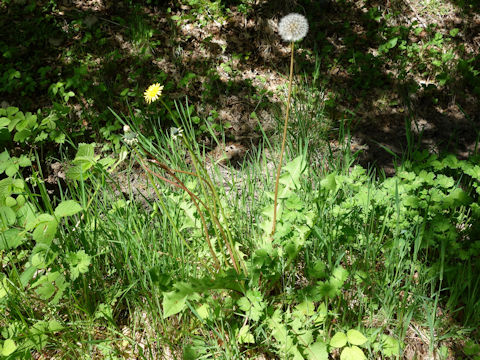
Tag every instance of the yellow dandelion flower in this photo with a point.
(153, 93)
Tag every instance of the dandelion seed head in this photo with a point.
(130, 138)
(153, 93)
(293, 27)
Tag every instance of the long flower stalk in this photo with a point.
(292, 27)
(285, 126)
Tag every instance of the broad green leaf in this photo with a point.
(9, 347)
(11, 238)
(58, 138)
(24, 161)
(445, 181)
(11, 110)
(27, 275)
(7, 216)
(50, 284)
(441, 224)
(458, 196)
(391, 43)
(22, 135)
(283, 337)
(30, 225)
(339, 275)
(355, 337)
(326, 289)
(306, 307)
(11, 169)
(77, 172)
(252, 304)
(329, 182)
(317, 271)
(3, 288)
(245, 336)
(203, 311)
(10, 201)
(321, 313)
(317, 351)
(390, 346)
(173, 303)
(78, 262)
(4, 122)
(352, 353)
(45, 231)
(471, 348)
(85, 151)
(67, 208)
(54, 326)
(454, 32)
(18, 185)
(338, 340)
(304, 337)
(294, 169)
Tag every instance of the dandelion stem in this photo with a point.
(279, 167)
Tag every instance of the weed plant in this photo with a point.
(188, 265)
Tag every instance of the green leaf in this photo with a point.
(11, 111)
(77, 173)
(454, 32)
(11, 169)
(54, 326)
(3, 290)
(285, 341)
(173, 303)
(4, 122)
(338, 340)
(294, 169)
(321, 313)
(67, 208)
(45, 231)
(317, 271)
(203, 311)
(50, 284)
(445, 181)
(339, 275)
(306, 307)
(352, 353)
(471, 348)
(59, 138)
(27, 275)
(7, 216)
(86, 151)
(329, 182)
(11, 239)
(390, 346)
(441, 224)
(317, 351)
(252, 304)
(9, 347)
(24, 161)
(245, 336)
(78, 262)
(22, 135)
(326, 289)
(390, 44)
(355, 337)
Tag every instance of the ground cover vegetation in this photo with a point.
(140, 142)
